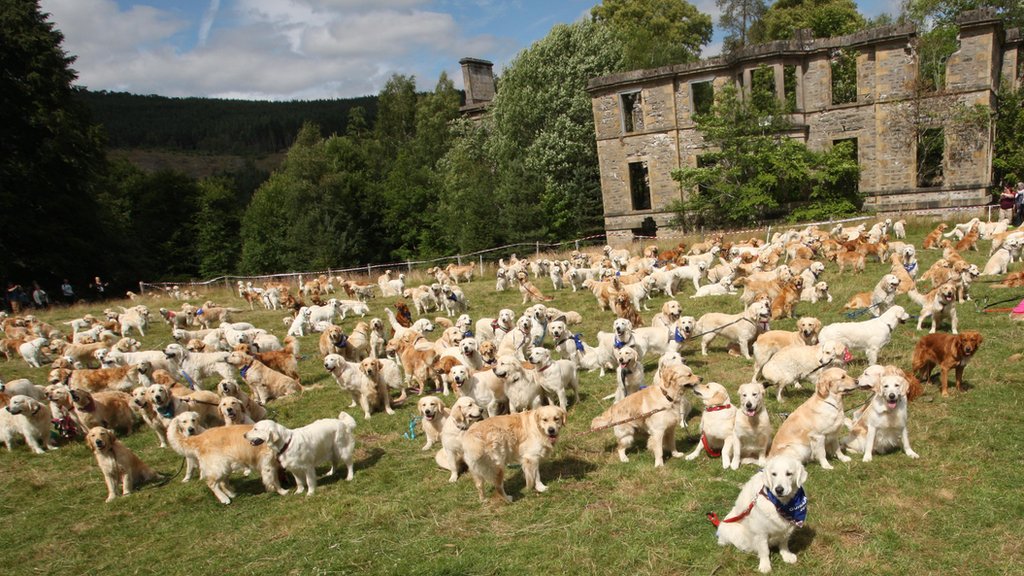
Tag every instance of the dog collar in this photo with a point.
(452, 297)
(718, 407)
(794, 511)
(467, 334)
(165, 411)
(678, 336)
(285, 447)
(245, 370)
(546, 366)
(665, 394)
(341, 341)
(618, 343)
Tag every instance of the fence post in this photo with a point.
(577, 245)
(481, 265)
(768, 235)
(369, 272)
(538, 249)
(458, 259)
(142, 288)
(408, 266)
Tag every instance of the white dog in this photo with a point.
(32, 419)
(300, 450)
(869, 336)
(716, 422)
(434, 413)
(752, 432)
(742, 328)
(771, 505)
(882, 424)
(32, 352)
(463, 414)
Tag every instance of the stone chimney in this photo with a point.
(478, 78)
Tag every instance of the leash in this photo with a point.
(861, 311)
(167, 480)
(621, 422)
(411, 433)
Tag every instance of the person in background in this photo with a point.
(1006, 202)
(15, 297)
(1018, 205)
(39, 296)
(99, 288)
(67, 292)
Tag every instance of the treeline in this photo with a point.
(212, 125)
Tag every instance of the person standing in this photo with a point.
(99, 288)
(1018, 205)
(67, 292)
(39, 296)
(15, 297)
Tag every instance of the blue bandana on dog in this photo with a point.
(795, 511)
(678, 336)
(577, 338)
(910, 268)
(618, 343)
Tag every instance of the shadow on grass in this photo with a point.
(802, 539)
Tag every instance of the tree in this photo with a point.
(50, 155)
(753, 171)
(218, 224)
(655, 32)
(541, 140)
(1008, 156)
(945, 12)
(737, 17)
(825, 18)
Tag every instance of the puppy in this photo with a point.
(299, 451)
(117, 462)
(661, 403)
(716, 422)
(463, 414)
(812, 431)
(32, 419)
(752, 431)
(492, 444)
(882, 424)
(434, 413)
(947, 351)
(771, 505)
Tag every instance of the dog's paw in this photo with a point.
(692, 456)
(912, 454)
(765, 566)
(788, 557)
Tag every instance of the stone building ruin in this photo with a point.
(645, 129)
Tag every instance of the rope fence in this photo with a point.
(537, 248)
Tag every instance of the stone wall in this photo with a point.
(886, 118)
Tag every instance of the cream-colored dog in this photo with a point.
(299, 451)
(752, 431)
(769, 508)
(742, 328)
(882, 425)
(716, 422)
(463, 414)
(661, 402)
(796, 363)
(434, 413)
(32, 419)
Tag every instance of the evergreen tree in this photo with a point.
(738, 17)
(50, 155)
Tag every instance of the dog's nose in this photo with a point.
(191, 431)
(779, 490)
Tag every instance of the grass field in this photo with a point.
(956, 510)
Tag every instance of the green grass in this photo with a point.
(955, 510)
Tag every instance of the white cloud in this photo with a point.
(208, 18)
(266, 49)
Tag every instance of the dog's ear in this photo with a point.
(801, 475)
(457, 415)
(823, 386)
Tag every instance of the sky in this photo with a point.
(306, 49)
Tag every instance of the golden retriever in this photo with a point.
(32, 419)
(221, 451)
(299, 451)
(230, 388)
(266, 383)
(663, 399)
(937, 304)
(108, 409)
(463, 414)
(813, 430)
(882, 424)
(947, 352)
(492, 444)
(434, 414)
(771, 505)
(716, 422)
(233, 411)
(752, 431)
(117, 462)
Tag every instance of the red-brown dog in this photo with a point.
(947, 351)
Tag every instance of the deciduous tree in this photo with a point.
(655, 32)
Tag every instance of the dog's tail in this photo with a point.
(347, 421)
(291, 345)
(395, 326)
(917, 296)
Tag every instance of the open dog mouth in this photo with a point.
(750, 409)
(891, 401)
(257, 441)
(552, 435)
(428, 415)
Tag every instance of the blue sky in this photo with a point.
(304, 49)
